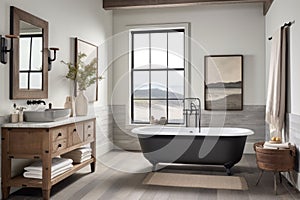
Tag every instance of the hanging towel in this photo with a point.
(275, 105)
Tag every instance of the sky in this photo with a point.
(223, 69)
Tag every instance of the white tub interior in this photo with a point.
(190, 131)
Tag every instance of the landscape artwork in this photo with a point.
(224, 82)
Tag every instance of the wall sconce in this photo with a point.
(50, 60)
(3, 47)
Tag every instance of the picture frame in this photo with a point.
(223, 82)
(91, 52)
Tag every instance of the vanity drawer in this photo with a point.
(59, 133)
(75, 134)
(25, 141)
(89, 130)
(59, 145)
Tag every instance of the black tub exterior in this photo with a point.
(213, 150)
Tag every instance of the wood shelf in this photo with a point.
(21, 181)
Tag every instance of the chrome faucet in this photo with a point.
(192, 109)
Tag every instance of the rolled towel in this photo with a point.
(57, 163)
(275, 146)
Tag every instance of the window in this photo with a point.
(31, 59)
(157, 75)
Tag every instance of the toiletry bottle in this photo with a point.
(21, 109)
(14, 116)
(70, 104)
(21, 116)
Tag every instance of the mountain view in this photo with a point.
(156, 93)
(237, 84)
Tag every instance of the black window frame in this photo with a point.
(167, 69)
(29, 71)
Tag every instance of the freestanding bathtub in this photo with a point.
(185, 145)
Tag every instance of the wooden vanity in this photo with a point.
(44, 141)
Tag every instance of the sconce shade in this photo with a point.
(3, 53)
(3, 47)
(50, 60)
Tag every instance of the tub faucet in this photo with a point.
(192, 109)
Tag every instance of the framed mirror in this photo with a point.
(29, 58)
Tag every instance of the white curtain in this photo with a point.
(276, 96)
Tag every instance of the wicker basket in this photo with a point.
(277, 160)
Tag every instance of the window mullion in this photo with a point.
(150, 67)
(30, 54)
(167, 103)
(132, 79)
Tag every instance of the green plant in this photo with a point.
(83, 74)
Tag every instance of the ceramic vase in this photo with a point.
(81, 104)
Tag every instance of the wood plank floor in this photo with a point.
(119, 176)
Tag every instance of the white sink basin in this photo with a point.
(48, 115)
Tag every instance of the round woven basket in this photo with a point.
(278, 160)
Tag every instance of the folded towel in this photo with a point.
(39, 175)
(80, 160)
(80, 151)
(267, 147)
(71, 156)
(282, 145)
(57, 163)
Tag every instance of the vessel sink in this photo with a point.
(48, 115)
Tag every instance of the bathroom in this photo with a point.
(225, 29)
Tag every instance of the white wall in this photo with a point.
(69, 18)
(283, 11)
(217, 29)
(280, 13)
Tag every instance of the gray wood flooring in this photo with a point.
(119, 176)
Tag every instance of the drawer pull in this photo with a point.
(59, 135)
(59, 145)
(89, 126)
(89, 135)
(74, 130)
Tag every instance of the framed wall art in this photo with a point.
(91, 52)
(223, 82)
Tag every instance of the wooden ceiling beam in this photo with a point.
(127, 4)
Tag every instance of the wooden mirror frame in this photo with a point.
(15, 92)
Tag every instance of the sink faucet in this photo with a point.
(194, 109)
(35, 102)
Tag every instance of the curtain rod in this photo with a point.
(285, 24)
